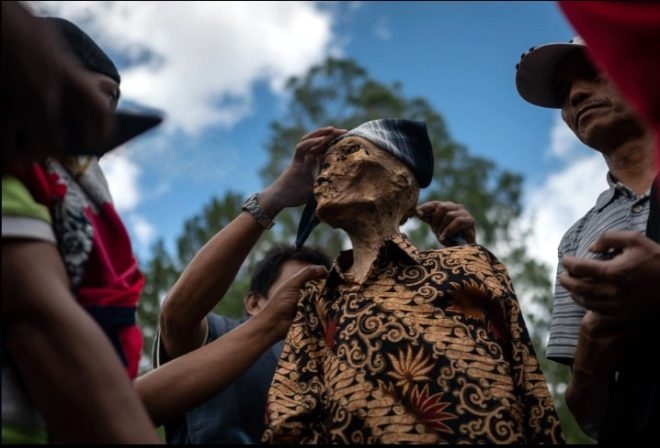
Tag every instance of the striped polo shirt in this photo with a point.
(617, 208)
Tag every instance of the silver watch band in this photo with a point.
(251, 205)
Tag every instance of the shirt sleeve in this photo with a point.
(22, 216)
(213, 332)
(566, 314)
(294, 398)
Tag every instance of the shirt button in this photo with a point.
(638, 209)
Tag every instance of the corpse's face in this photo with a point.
(591, 106)
(357, 176)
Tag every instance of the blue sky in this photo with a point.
(217, 69)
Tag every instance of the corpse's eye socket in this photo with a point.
(353, 148)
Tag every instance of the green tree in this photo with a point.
(160, 272)
(341, 93)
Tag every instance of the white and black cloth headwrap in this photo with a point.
(407, 140)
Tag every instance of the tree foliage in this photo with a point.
(342, 94)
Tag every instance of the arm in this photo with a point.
(187, 381)
(625, 285)
(621, 295)
(589, 391)
(214, 267)
(447, 220)
(72, 372)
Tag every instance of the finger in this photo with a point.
(585, 267)
(618, 239)
(426, 211)
(441, 221)
(306, 274)
(318, 132)
(461, 224)
(308, 144)
(591, 295)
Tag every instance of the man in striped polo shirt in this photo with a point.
(608, 289)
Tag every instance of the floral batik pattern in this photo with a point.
(431, 348)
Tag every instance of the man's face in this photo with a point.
(288, 269)
(355, 174)
(592, 107)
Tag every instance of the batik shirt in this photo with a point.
(431, 348)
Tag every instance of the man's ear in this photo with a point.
(251, 303)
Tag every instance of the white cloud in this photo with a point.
(382, 29)
(199, 61)
(565, 195)
(144, 231)
(122, 175)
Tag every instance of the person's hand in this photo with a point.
(626, 286)
(294, 186)
(48, 102)
(448, 219)
(280, 309)
(603, 343)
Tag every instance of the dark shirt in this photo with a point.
(431, 348)
(633, 416)
(236, 415)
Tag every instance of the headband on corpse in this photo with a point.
(407, 140)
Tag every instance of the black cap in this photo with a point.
(88, 52)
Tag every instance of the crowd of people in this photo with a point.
(381, 343)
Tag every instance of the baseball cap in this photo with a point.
(536, 71)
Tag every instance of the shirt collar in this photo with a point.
(616, 189)
(396, 245)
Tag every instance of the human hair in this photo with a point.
(268, 269)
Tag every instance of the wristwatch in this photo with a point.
(251, 205)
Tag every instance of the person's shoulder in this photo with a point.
(573, 232)
(219, 324)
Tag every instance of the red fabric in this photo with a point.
(623, 39)
(111, 278)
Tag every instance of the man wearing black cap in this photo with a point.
(44, 87)
(70, 285)
(400, 345)
(607, 301)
